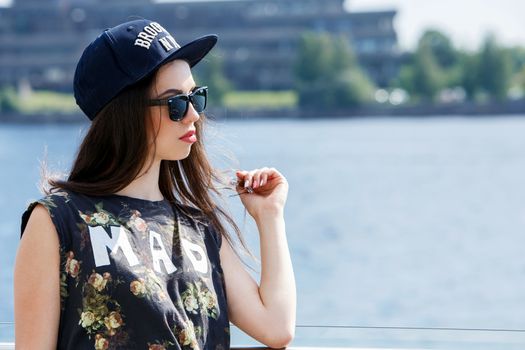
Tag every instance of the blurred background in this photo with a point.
(399, 125)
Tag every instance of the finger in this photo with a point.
(264, 179)
(241, 176)
(254, 177)
(241, 173)
(248, 179)
(260, 176)
(273, 174)
(257, 179)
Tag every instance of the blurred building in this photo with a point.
(41, 40)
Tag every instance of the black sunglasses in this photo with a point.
(178, 104)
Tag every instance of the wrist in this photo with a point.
(269, 213)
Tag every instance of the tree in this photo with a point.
(7, 100)
(494, 69)
(427, 74)
(441, 47)
(469, 79)
(211, 73)
(315, 57)
(328, 75)
(433, 66)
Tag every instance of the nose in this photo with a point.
(191, 115)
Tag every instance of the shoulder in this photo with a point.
(38, 218)
(48, 211)
(53, 202)
(55, 199)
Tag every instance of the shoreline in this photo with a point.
(464, 109)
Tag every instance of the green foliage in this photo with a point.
(517, 58)
(432, 67)
(47, 102)
(38, 102)
(427, 75)
(328, 75)
(469, 63)
(520, 78)
(436, 65)
(210, 72)
(440, 47)
(494, 70)
(261, 99)
(7, 100)
(316, 53)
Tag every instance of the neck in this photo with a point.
(146, 185)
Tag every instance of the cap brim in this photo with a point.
(195, 50)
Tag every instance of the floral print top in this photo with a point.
(137, 274)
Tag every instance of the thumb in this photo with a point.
(241, 173)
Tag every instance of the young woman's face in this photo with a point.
(172, 79)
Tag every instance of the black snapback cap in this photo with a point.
(123, 55)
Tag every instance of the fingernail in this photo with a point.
(246, 183)
(255, 184)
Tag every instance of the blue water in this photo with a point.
(405, 222)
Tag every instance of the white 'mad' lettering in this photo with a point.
(159, 254)
(166, 44)
(100, 241)
(201, 264)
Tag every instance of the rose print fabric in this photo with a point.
(137, 274)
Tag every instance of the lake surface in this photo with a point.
(390, 222)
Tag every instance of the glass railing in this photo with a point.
(377, 337)
(367, 337)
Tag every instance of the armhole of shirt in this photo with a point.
(218, 237)
(50, 204)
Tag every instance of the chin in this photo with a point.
(179, 156)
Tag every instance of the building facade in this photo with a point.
(41, 40)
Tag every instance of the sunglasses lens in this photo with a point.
(199, 100)
(177, 107)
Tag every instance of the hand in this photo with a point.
(270, 190)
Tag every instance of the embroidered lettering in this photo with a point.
(165, 43)
(100, 241)
(158, 27)
(147, 37)
(176, 44)
(142, 43)
(159, 254)
(151, 31)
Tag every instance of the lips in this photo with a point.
(188, 134)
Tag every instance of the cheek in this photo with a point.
(167, 142)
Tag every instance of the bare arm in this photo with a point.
(265, 312)
(37, 284)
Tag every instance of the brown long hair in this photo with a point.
(115, 150)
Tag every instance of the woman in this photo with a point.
(128, 252)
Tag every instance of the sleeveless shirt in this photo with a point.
(136, 274)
